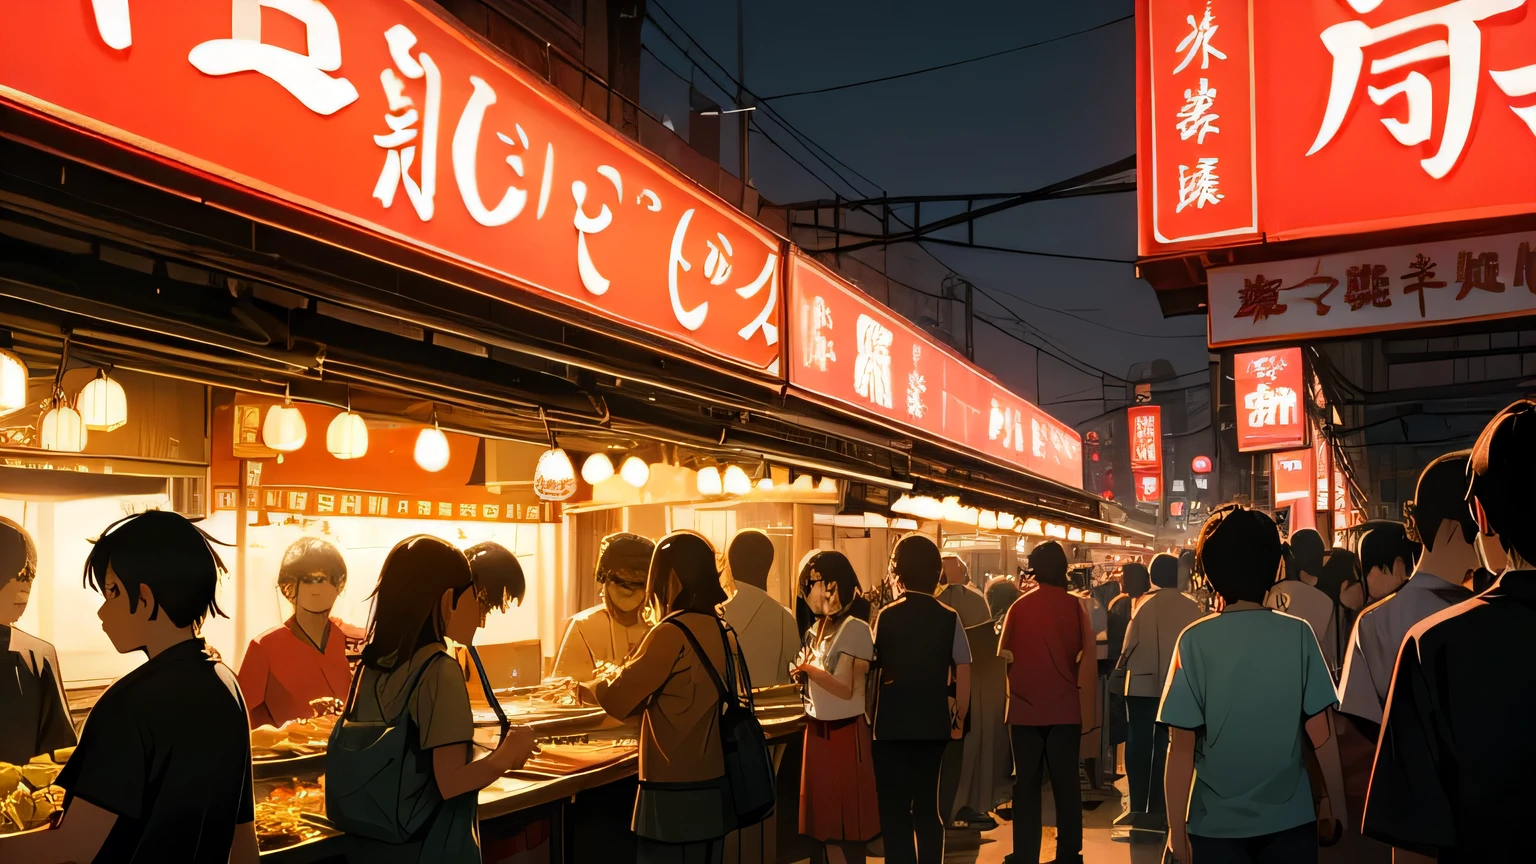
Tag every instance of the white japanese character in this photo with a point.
(466, 145)
(402, 121)
(1195, 118)
(916, 386)
(1463, 48)
(1270, 407)
(818, 348)
(1038, 433)
(1518, 83)
(113, 22)
(1199, 41)
(585, 225)
(872, 369)
(716, 262)
(303, 75)
(1199, 187)
(747, 292)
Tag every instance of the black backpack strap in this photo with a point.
(698, 650)
(490, 694)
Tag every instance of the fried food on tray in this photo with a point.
(281, 825)
(294, 738)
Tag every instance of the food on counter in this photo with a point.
(294, 738)
(27, 794)
(280, 817)
(575, 758)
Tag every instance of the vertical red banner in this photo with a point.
(1146, 430)
(1197, 117)
(1291, 477)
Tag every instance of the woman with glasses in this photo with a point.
(838, 804)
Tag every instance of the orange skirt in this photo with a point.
(837, 782)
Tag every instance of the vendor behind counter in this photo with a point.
(34, 718)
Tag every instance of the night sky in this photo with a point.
(1008, 124)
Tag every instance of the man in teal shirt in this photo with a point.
(1246, 685)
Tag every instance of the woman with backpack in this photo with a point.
(684, 807)
(401, 777)
(838, 802)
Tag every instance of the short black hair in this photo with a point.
(690, 556)
(751, 557)
(1136, 581)
(498, 575)
(1441, 497)
(308, 555)
(1164, 571)
(165, 551)
(1239, 553)
(1384, 545)
(1503, 476)
(18, 555)
(1305, 553)
(917, 563)
(1048, 564)
(831, 568)
(627, 556)
(1342, 568)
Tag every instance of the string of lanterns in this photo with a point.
(950, 509)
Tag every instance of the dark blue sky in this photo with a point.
(1008, 124)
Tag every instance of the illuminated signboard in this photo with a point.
(1146, 440)
(388, 116)
(1291, 476)
(848, 348)
(1271, 413)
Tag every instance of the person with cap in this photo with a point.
(920, 651)
(609, 632)
(1448, 782)
(1143, 664)
(967, 780)
(1049, 646)
(769, 636)
(34, 715)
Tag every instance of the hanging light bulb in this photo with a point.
(709, 482)
(13, 383)
(102, 403)
(347, 436)
(432, 449)
(596, 469)
(62, 429)
(554, 477)
(765, 484)
(635, 472)
(284, 429)
(736, 481)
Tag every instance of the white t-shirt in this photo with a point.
(852, 641)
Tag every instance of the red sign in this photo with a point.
(385, 115)
(1291, 475)
(1322, 460)
(1146, 422)
(1409, 113)
(1197, 77)
(1200, 465)
(1149, 486)
(1271, 413)
(848, 348)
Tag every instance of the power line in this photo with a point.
(951, 65)
(1032, 252)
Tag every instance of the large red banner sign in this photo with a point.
(1146, 437)
(1271, 400)
(387, 115)
(848, 348)
(1372, 114)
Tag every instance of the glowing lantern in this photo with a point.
(284, 429)
(554, 478)
(13, 383)
(596, 469)
(736, 481)
(709, 482)
(103, 405)
(62, 429)
(635, 472)
(432, 449)
(347, 436)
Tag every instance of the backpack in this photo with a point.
(377, 783)
(749, 772)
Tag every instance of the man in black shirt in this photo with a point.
(34, 717)
(1446, 782)
(163, 770)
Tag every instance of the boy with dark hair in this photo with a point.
(920, 647)
(499, 579)
(1298, 594)
(34, 716)
(769, 637)
(1246, 685)
(287, 670)
(163, 770)
(1387, 559)
(1442, 784)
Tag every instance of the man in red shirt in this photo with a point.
(305, 657)
(1048, 644)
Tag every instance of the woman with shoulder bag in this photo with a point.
(401, 779)
(684, 807)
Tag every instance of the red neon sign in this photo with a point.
(848, 348)
(1271, 410)
(1291, 474)
(1146, 428)
(384, 115)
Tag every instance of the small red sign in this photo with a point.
(1149, 486)
(1271, 411)
(386, 115)
(1291, 474)
(1146, 428)
(848, 348)
(1200, 465)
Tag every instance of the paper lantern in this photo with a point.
(765, 484)
(13, 383)
(635, 472)
(284, 429)
(597, 468)
(709, 483)
(987, 521)
(736, 481)
(102, 404)
(62, 429)
(347, 436)
(554, 477)
(432, 449)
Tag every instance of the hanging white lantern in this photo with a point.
(347, 436)
(284, 429)
(596, 469)
(708, 482)
(62, 429)
(554, 477)
(635, 472)
(102, 403)
(432, 449)
(13, 383)
(736, 481)
(765, 484)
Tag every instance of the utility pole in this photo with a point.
(741, 95)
